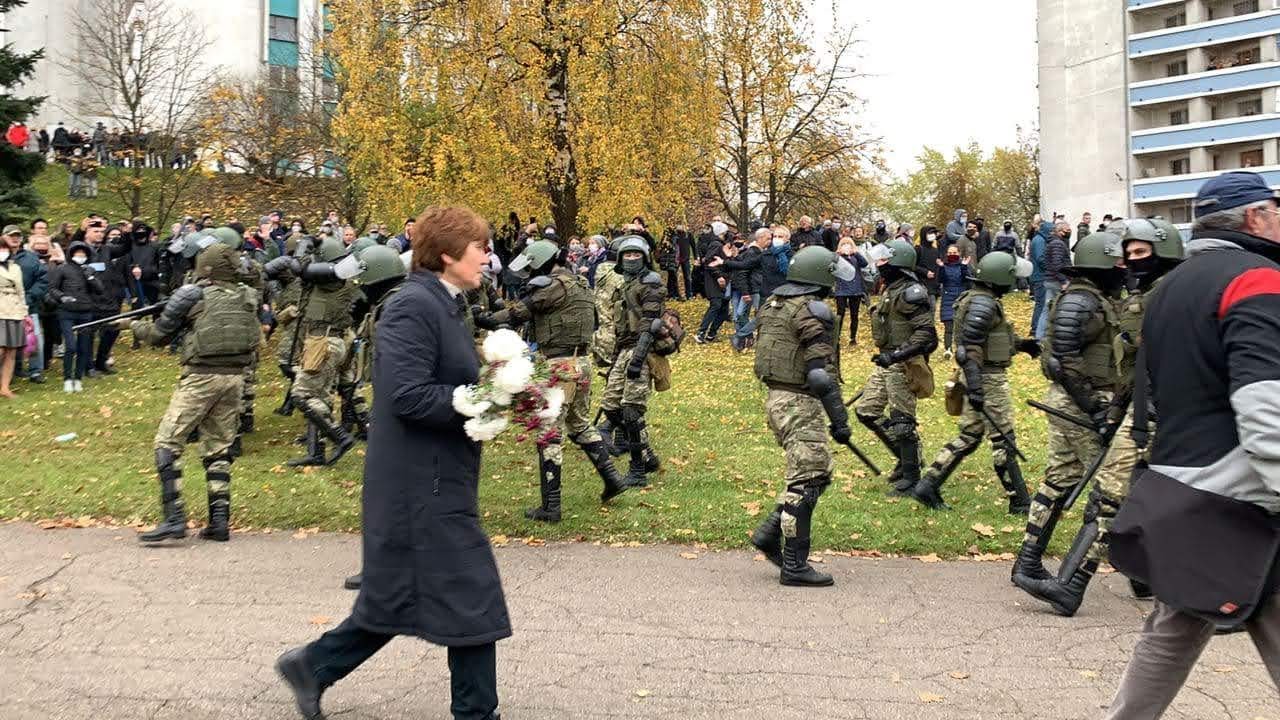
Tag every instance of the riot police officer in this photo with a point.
(1083, 326)
(561, 309)
(795, 359)
(984, 348)
(637, 318)
(609, 282)
(903, 330)
(217, 320)
(1152, 248)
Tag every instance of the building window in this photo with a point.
(1244, 7)
(1179, 117)
(1181, 166)
(1251, 158)
(1249, 107)
(1180, 212)
(1176, 68)
(1249, 57)
(282, 28)
(1174, 21)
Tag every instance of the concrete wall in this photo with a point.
(1084, 159)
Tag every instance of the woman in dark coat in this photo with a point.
(429, 569)
(954, 278)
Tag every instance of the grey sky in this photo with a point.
(942, 72)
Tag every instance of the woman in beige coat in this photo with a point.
(13, 308)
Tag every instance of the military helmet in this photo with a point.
(331, 249)
(361, 244)
(1170, 245)
(901, 254)
(218, 262)
(228, 236)
(535, 256)
(997, 268)
(373, 265)
(630, 243)
(1098, 251)
(816, 265)
(192, 244)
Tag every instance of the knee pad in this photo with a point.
(869, 420)
(216, 458)
(166, 460)
(632, 415)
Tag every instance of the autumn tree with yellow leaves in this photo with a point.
(589, 110)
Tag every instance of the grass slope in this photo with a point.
(721, 470)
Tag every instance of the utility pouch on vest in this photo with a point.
(315, 353)
(955, 394)
(659, 371)
(919, 377)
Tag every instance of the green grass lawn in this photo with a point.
(721, 467)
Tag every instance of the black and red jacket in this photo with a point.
(1212, 338)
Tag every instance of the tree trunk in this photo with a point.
(562, 168)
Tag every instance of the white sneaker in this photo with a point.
(68, 386)
(78, 387)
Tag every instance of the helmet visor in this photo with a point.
(406, 257)
(843, 270)
(880, 253)
(348, 267)
(176, 246)
(1022, 268)
(192, 249)
(520, 263)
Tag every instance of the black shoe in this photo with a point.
(296, 672)
(767, 538)
(315, 450)
(246, 422)
(237, 448)
(342, 440)
(353, 582)
(651, 462)
(37, 378)
(549, 489)
(1029, 565)
(286, 407)
(172, 527)
(1064, 597)
(928, 493)
(107, 370)
(598, 453)
(635, 477)
(219, 527)
(796, 570)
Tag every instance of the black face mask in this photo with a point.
(1144, 272)
(1110, 281)
(891, 273)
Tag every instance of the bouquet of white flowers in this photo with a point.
(515, 388)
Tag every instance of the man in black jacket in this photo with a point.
(1211, 337)
(107, 260)
(715, 287)
(805, 235)
(748, 278)
(684, 258)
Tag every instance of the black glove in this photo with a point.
(1029, 346)
(1101, 418)
(977, 399)
(884, 359)
(483, 320)
(633, 370)
(841, 433)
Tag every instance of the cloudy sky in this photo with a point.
(942, 72)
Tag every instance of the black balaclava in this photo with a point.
(891, 273)
(1111, 281)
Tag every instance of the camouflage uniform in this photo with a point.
(561, 312)
(325, 320)
(250, 275)
(902, 326)
(985, 346)
(219, 317)
(626, 395)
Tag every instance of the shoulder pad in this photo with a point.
(651, 278)
(821, 311)
(916, 294)
(1078, 303)
(187, 294)
(982, 302)
(541, 281)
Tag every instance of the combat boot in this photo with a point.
(174, 524)
(1064, 597)
(1011, 480)
(1141, 590)
(767, 537)
(219, 527)
(1029, 564)
(598, 454)
(549, 489)
(796, 570)
(315, 450)
(636, 474)
(286, 405)
(613, 433)
(342, 440)
(928, 492)
(246, 422)
(237, 447)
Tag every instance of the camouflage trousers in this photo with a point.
(250, 391)
(619, 391)
(210, 402)
(1072, 448)
(314, 389)
(284, 335)
(798, 423)
(574, 420)
(1111, 484)
(886, 389)
(995, 392)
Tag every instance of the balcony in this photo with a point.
(1218, 132)
(1137, 5)
(1214, 32)
(1163, 189)
(1213, 82)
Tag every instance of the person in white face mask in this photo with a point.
(74, 288)
(13, 309)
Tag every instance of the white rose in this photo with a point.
(554, 398)
(503, 346)
(466, 401)
(514, 375)
(483, 429)
(500, 398)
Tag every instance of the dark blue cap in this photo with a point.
(1231, 190)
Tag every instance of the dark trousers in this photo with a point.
(106, 341)
(948, 333)
(473, 671)
(851, 305)
(52, 336)
(688, 279)
(673, 283)
(713, 317)
(76, 346)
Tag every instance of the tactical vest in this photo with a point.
(571, 323)
(226, 330)
(604, 342)
(1099, 361)
(890, 326)
(329, 308)
(629, 317)
(998, 348)
(779, 357)
(364, 334)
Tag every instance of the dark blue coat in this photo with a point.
(429, 570)
(953, 279)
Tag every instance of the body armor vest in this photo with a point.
(1099, 361)
(226, 331)
(999, 345)
(329, 308)
(629, 319)
(1125, 352)
(779, 357)
(890, 327)
(572, 322)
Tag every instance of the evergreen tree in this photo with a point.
(18, 198)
